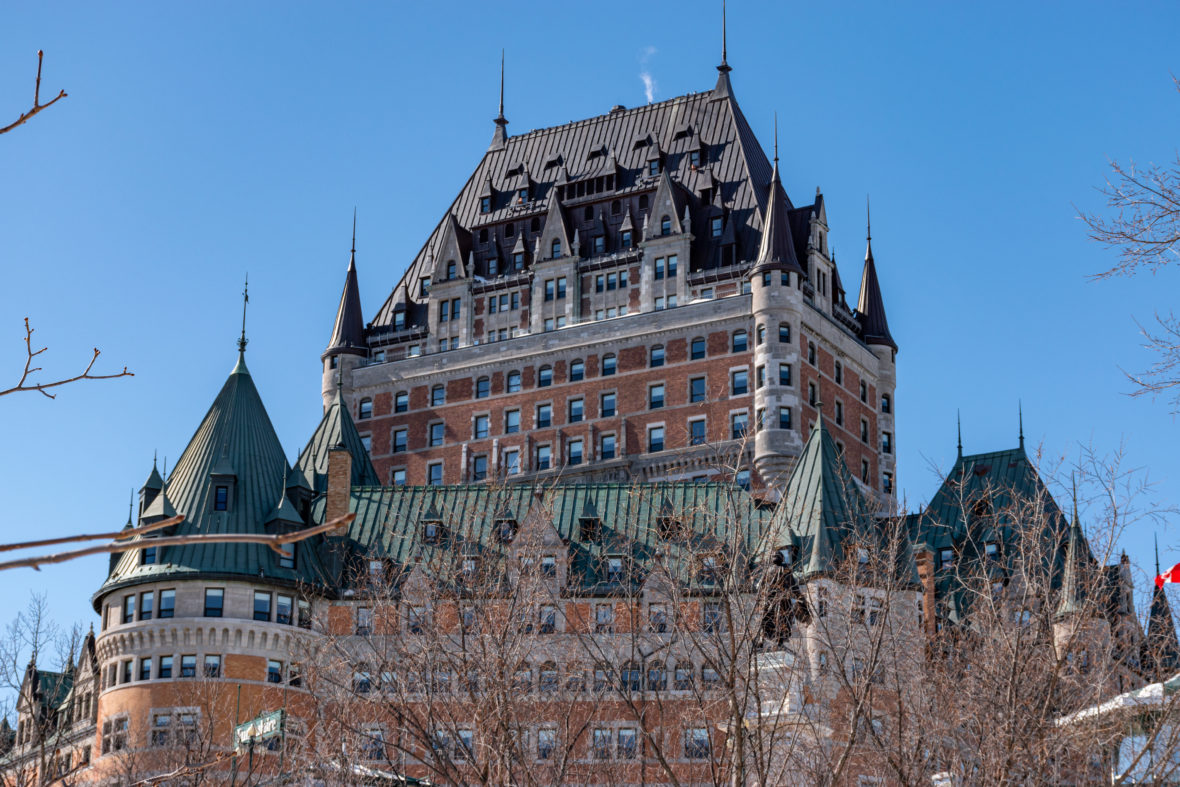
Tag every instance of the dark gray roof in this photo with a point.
(348, 334)
(1161, 650)
(778, 245)
(871, 306)
(618, 143)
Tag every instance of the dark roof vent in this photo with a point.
(617, 108)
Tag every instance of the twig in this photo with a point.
(122, 545)
(30, 369)
(119, 534)
(37, 105)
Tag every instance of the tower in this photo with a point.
(347, 347)
(870, 307)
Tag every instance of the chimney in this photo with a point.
(339, 483)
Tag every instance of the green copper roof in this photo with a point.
(336, 428)
(235, 433)
(713, 516)
(154, 481)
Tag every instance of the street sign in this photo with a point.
(264, 727)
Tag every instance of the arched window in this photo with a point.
(760, 335)
(545, 377)
(588, 213)
(513, 382)
(535, 226)
(365, 410)
(608, 365)
(741, 342)
(556, 249)
(577, 371)
(631, 677)
(665, 226)
(510, 230)
(438, 396)
(643, 202)
(698, 348)
(483, 387)
(616, 208)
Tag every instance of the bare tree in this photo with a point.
(37, 105)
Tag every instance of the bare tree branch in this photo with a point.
(24, 385)
(37, 105)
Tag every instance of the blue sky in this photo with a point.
(202, 141)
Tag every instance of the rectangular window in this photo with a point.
(164, 670)
(784, 374)
(655, 396)
(657, 618)
(364, 620)
(261, 605)
(561, 287)
(444, 311)
(212, 666)
(145, 605)
(284, 606)
(759, 375)
(546, 743)
(739, 423)
(286, 556)
(784, 418)
(604, 618)
(548, 620)
(739, 382)
(397, 477)
(576, 408)
(696, 432)
(544, 457)
(544, 415)
(479, 427)
(129, 608)
(549, 566)
(167, 603)
(601, 743)
(401, 402)
(655, 439)
(436, 432)
(575, 452)
(274, 671)
(434, 474)
(511, 422)
(606, 447)
(696, 743)
(550, 289)
(221, 498)
(214, 599)
(659, 268)
(512, 461)
(657, 356)
(304, 611)
(188, 666)
(145, 669)
(887, 442)
(672, 260)
(628, 743)
(479, 467)
(696, 389)
(606, 405)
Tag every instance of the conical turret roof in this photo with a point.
(1078, 561)
(348, 333)
(335, 428)
(871, 306)
(1161, 649)
(778, 246)
(154, 480)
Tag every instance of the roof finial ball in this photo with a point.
(243, 341)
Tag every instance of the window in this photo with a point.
(399, 440)
(284, 606)
(655, 439)
(738, 424)
(544, 457)
(545, 377)
(577, 371)
(606, 404)
(145, 669)
(887, 482)
(589, 528)
(546, 743)
(401, 402)
(444, 310)
(555, 249)
(946, 558)
(614, 569)
(575, 451)
(714, 224)
(547, 624)
(188, 666)
(485, 204)
(221, 498)
(655, 396)
(599, 244)
(164, 668)
(483, 387)
(740, 342)
(544, 415)
(864, 471)
(759, 375)
(709, 676)
(575, 410)
(513, 385)
(839, 413)
(811, 353)
(129, 608)
(666, 221)
(696, 432)
(438, 396)
(479, 427)
(682, 678)
(415, 619)
(812, 397)
(656, 356)
(261, 605)
(784, 374)
(367, 442)
(886, 403)
(366, 409)
(212, 666)
(712, 618)
(434, 474)
(167, 603)
(696, 389)
(274, 671)
(606, 446)
(887, 442)
(739, 382)
(549, 566)
(784, 418)
(609, 364)
(147, 556)
(696, 743)
(214, 598)
(604, 618)
(784, 333)
(601, 743)
(511, 423)
(512, 461)
(839, 373)
(625, 239)
(864, 391)
(286, 555)
(760, 335)
(991, 550)
(436, 432)
(659, 267)
(114, 734)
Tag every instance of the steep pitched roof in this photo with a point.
(335, 428)
(778, 246)
(562, 152)
(236, 429)
(1078, 566)
(1161, 649)
(348, 333)
(870, 306)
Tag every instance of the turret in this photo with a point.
(1081, 632)
(870, 312)
(1161, 650)
(347, 347)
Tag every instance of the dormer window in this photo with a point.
(708, 570)
(221, 498)
(599, 244)
(399, 320)
(991, 550)
(666, 225)
(614, 569)
(667, 527)
(424, 286)
(522, 196)
(590, 528)
(147, 557)
(694, 158)
(432, 531)
(555, 249)
(452, 269)
(715, 227)
(485, 204)
(518, 261)
(653, 167)
(625, 239)
(493, 266)
(505, 530)
(470, 567)
(286, 556)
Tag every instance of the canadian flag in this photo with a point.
(1171, 575)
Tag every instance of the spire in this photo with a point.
(959, 426)
(1020, 418)
(868, 230)
(1156, 537)
(870, 306)
(1161, 648)
(131, 511)
(1076, 562)
(500, 136)
(723, 88)
(348, 334)
(777, 246)
(245, 302)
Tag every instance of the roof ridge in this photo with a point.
(593, 118)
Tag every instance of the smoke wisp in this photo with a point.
(649, 82)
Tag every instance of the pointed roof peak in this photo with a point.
(778, 244)
(1020, 417)
(500, 135)
(959, 427)
(348, 333)
(353, 252)
(243, 341)
(155, 480)
(870, 306)
(724, 66)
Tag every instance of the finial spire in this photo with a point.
(501, 115)
(724, 67)
(959, 425)
(776, 138)
(354, 229)
(245, 300)
(1020, 416)
(500, 135)
(1073, 482)
(131, 507)
(868, 220)
(1157, 553)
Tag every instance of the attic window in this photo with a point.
(424, 286)
(432, 531)
(640, 144)
(555, 250)
(588, 213)
(694, 159)
(553, 162)
(666, 226)
(286, 556)
(614, 569)
(708, 569)
(593, 154)
(485, 204)
(653, 167)
(221, 498)
(148, 556)
(591, 528)
(643, 202)
(715, 227)
(452, 270)
(505, 530)
(483, 235)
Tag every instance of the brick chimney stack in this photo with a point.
(339, 483)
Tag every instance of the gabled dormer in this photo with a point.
(223, 482)
(555, 241)
(453, 247)
(667, 206)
